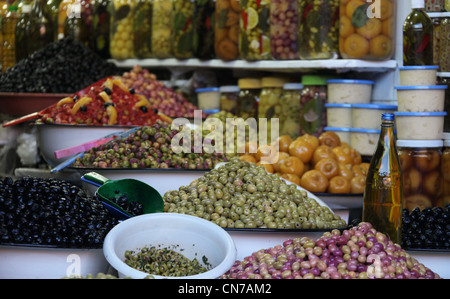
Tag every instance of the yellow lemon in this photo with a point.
(252, 18)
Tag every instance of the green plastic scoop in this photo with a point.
(134, 190)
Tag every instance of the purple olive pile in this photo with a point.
(148, 147)
(360, 252)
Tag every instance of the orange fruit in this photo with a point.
(356, 46)
(345, 27)
(291, 178)
(311, 139)
(283, 143)
(381, 47)
(323, 152)
(279, 160)
(302, 150)
(314, 181)
(387, 27)
(292, 165)
(387, 9)
(342, 156)
(352, 6)
(371, 29)
(269, 167)
(266, 154)
(247, 158)
(339, 184)
(330, 139)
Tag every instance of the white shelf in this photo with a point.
(445, 14)
(270, 65)
(443, 74)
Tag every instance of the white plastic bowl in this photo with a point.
(420, 125)
(421, 98)
(368, 116)
(198, 237)
(418, 75)
(349, 91)
(339, 115)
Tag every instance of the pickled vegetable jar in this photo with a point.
(447, 5)
(142, 28)
(100, 28)
(284, 29)
(162, 29)
(121, 32)
(366, 30)
(183, 33)
(203, 19)
(444, 45)
(319, 29)
(420, 162)
(228, 98)
(269, 105)
(312, 105)
(445, 170)
(434, 5)
(9, 23)
(248, 97)
(226, 33)
(254, 33)
(290, 110)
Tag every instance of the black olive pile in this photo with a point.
(51, 212)
(64, 66)
(428, 228)
(133, 207)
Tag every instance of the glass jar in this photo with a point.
(75, 26)
(319, 29)
(284, 29)
(444, 45)
(228, 98)
(22, 33)
(183, 33)
(9, 23)
(62, 15)
(87, 14)
(447, 5)
(100, 28)
(42, 32)
(446, 81)
(226, 33)
(53, 7)
(312, 105)
(121, 32)
(367, 37)
(420, 162)
(290, 110)
(445, 170)
(254, 33)
(161, 29)
(436, 39)
(269, 105)
(434, 5)
(248, 97)
(203, 19)
(142, 29)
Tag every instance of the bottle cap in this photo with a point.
(249, 83)
(272, 82)
(388, 116)
(417, 4)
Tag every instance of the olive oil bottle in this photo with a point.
(42, 28)
(383, 194)
(23, 30)
(418, 36)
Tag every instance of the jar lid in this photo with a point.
(374, 106)
(293, 86)
(359, 130)
(419, 67)
(206, 89)
(415, 87)
(420, 143)
(338, 105)
(314, 80)
(272, 82)
(350, 81)
(229, 88)
(337, 129)
(402, 113)
(249, 83)
(211, 111)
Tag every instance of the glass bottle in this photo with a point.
(444, 45)
(75, 26)
(162, 29)
(9, 23)
(183, 33)
(62, 15)
(447, 5)
(254, 33)
(204, 19)
(284, 28)
(22, 32)
(100, 28)
(383, 194)
(319, 29)
(121, 37)
(142, 29)
(3, 12)
(42, 32)
(418, 36)
(53, 8)
(226, 33)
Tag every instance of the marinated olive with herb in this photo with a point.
(161, 29)
(182, 29)
(121, 35)
(142, 28)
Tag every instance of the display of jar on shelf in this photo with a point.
(203, 21)
(284, 28)
(75, 25)
(319, 29)
(269, 105)
(121, 31)
(162, 29)
(142, 28)
(22, 33)
(183, 29)
(42, 32)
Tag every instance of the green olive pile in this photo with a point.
(163, 262)
(148, 147)
(243, 195)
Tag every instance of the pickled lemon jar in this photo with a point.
(254, 33)
(366, 30)
(121, 32)
(290, 110)
(182, 29)
(248, 97)
(226, 29)
(162, 29)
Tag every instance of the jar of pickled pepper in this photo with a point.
(142, 29)
(100, 28)
(226, 33)
(121, 32)
(284, 29)
(290, 110)
(203, 20)
(319, 29)
(445, 170)
(254, 33)
(183, 33)
(162, 29)
(366, 32)
(444, 45)
(248, 97)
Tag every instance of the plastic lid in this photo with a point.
(337, 129)
(314, 80)
(229, 88)
(375, 106)
(350, 81)
(293, 86)
(420, 143)
(249, 83)
(338, 105)
(272, 82)
(415, 87)
(211, 111)
(401, 113)
(419, 67)
(359, 130)
(12, 8)
(206, 89)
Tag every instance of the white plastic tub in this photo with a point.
(420, 125)
(421, 98)
(339, 115)
(364, 141)
(208, 98)
(349, 91)
(368, 116)
(418, 75)
(343, 133)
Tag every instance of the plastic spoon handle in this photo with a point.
(82, 147)
(94, 178)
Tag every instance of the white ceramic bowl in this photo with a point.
(196, 236)
(53, 137)
(32, 262)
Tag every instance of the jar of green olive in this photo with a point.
(318, 29)
(284, 29)
(254, 33)
(142, 28)
(270, 100)
(228, 98)
(290, 110)
(182, 29)
(121, 35)
(248, 97)
(203, 19)
(162, 29)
